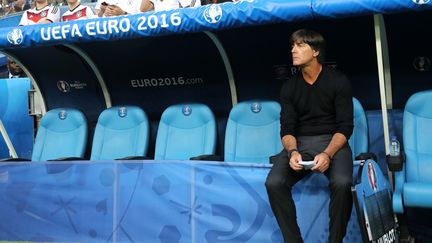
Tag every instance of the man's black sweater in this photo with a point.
(325, 107)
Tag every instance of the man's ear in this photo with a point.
(316, 53)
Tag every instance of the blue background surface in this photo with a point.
(153, 201)
(15, 118)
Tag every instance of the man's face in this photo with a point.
(302, 54)
(19, 3)
(14, 68)
(69, 1)
(41, 1)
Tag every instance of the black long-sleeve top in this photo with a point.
(325, 107)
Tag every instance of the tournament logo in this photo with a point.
(122, 111)
(255, 107)
(213, 13)
(372, 177)
(420, 2)
(63, 86)
(43, 14)
(187, 110)
(422, 64)
(15, 37)
(62, 114)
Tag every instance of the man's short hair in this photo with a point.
(312, 38)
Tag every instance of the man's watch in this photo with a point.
(291, 151)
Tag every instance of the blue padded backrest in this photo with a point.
(253, 132)
(185, 131)
(121, 131)
(417, 137)
(62, 133)
(359, 138)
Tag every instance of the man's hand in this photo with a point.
(102, 10)
(294, 161)
(322, 162)
(114, 10)
(146, 5)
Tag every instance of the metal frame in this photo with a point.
(227, 64)
(96, 71)
(384, 78)
(6, 138)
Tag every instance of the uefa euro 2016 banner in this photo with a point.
(151, 201)
(204, 18)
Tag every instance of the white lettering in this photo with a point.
(388, 237)
(181, 80)
(154, 82)
(134, 83)
(65, 30)
(164, 21)
(101, 28)
(125, 25)
(75, 31)
(56, 32)
(159, 82)
(112, 26)
(146, 82)
(141, 25)
(141, 83)
(152, 21)
(45, 34)
(175, 19)
(78, 85)
(90, 26)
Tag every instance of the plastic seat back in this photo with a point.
(185, 131)
(121, 131)
(62, 133)
(253, 132)
(417, 134)
(359, 139)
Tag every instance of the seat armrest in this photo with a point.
(14, 160)
(134, 158)
(67, 159)
(208, 157)
(398, 205)
(395, 163)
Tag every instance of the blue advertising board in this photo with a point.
(153, 201)
(206, 18)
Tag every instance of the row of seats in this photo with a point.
(252, 135)
(185, 131)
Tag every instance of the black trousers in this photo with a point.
(282, 178)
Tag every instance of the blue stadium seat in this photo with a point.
(413, 186)
(185, 131)
(253, 132)
(62, 133)
(121, 131)
(359, 139)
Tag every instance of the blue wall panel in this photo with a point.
(15, 118)
(152, 202)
